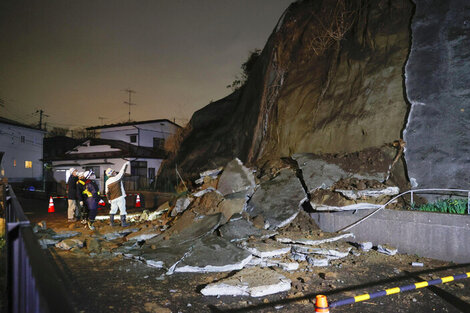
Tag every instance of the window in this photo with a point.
(139, 168)
(28, 164)
(22, 139)
(14, 163)
(133, 138)
(158, 143)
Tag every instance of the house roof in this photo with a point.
(133, 123)
(127, 150)
(15, 123)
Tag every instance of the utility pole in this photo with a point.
(129, 103)
(41, 114)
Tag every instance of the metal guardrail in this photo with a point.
(412, 192)
(33, 282)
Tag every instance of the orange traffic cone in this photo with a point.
(51, 206)
(137, 201)
(321, 304)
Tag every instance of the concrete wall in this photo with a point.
(434, 235)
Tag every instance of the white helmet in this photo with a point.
(109, 172)
(86, 174)
(81, 174)
(71, 170)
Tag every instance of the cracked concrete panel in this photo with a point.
(213, 254)
(267, 249)
(196, 228)
(241, 229)
(236, 178)
(277, 200)
(314, 242)
(318, 173)
(254, 282)
(437, 133)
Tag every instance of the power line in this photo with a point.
(41, 114)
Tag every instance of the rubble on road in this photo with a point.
(254, 282)
(385, 249)
(241, 230)
(68, 244)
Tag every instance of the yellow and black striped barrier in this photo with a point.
(395, 290)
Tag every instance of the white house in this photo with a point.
(141, 143)
(22, 148)
(150, 133)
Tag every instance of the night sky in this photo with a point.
(73, 59)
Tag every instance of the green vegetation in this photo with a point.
(452, 206)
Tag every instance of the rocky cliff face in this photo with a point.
(329, 80)
(437, 85)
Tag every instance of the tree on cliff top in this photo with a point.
(246, 67)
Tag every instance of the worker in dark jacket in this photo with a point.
(93, 197)
(72, 212)
(81, 198)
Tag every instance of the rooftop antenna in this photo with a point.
(102, 119)
(129, 103)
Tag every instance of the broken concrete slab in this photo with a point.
(119, 233)
(315, 260)
(213, 254)
(369, 193)
(190, 230)
(352, 207)
(241, 229)
(233, 204)
(65, 234)
(68, 244)
(236, 178)
(262, 262)
(143, 234)
(277, 200)
(314, 242)
(254, 282)
(321, 251)
(212, 174)
(385, 249)
(163, 257)
(266, 249)
(47, 242)
(181, 205)
(366, 246)
(317, 173)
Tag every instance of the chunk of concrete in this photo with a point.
(369, 193)
(352, 207)
(266, 249)
(241, 229)
(277, 200)
(386, 250)
(262, 262)
(236, 178)
(119, 233)
(318, 261)
(366, 246)
(47, 242)
(314, 242)
(65, 234)
(144, 234)
(318, 173)
(210, 173)
(254, 282)
(321, 251)
(213, 254)
(233, 204)
(181, 205)
(68, 244)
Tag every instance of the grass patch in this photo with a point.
(451, 206)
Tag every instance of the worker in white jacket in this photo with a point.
(116, 194)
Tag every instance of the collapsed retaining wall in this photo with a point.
(434, 235)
